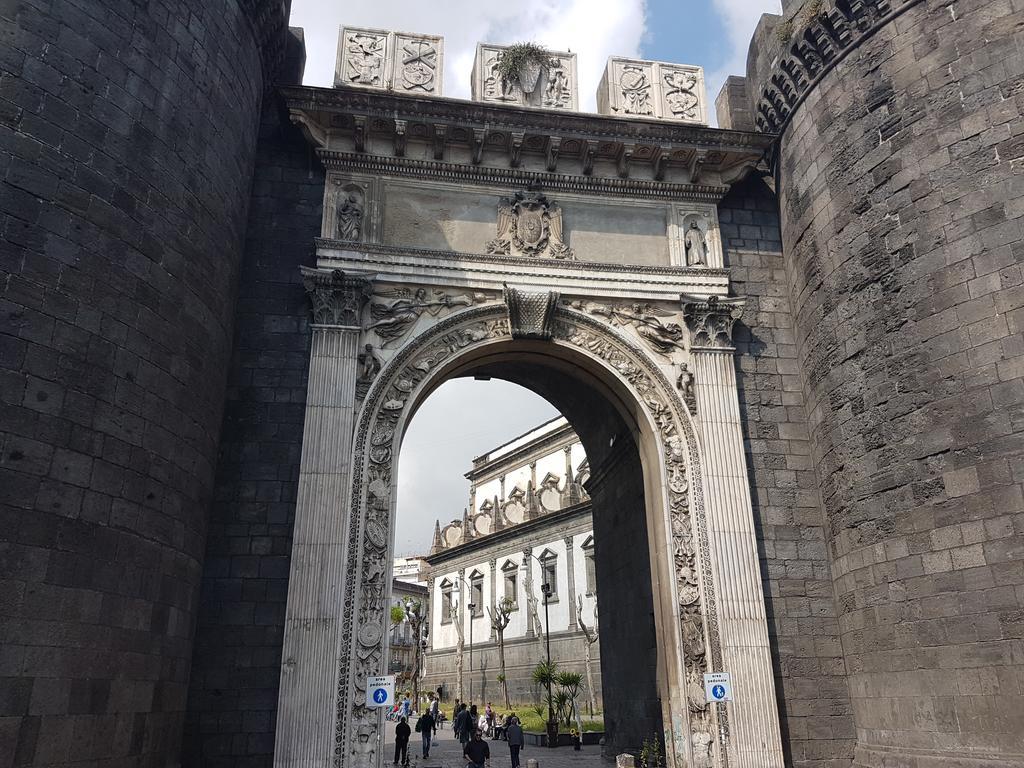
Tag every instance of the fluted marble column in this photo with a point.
(754, 739)
(309, 667)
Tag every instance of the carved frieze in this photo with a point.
(710, 321)
(336, 298)
(656, 89)
(393, 61)
(529, 225)
(665, 338)
(398, 309)
(550, 87)
(530, 313)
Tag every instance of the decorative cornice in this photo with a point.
(456, 260)
(437, 170)
(815, 48)
(511, 533)
(502, 117)
(484, 471)
(336, 299)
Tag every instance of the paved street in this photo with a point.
(448, 753)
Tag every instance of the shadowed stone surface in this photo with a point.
(126, 148)
(900, 188)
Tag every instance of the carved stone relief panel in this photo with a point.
(638, 88)
(694, 237)
(551, 87)
(529, 225)
(393, 61)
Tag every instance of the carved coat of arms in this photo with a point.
(530, 225)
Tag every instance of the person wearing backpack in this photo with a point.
(425, 728)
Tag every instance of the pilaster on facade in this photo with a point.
(570, 579)
(492, 567)
(732, 536)
(312, 625)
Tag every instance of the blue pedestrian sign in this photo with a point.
(717, 686)
(380, 691)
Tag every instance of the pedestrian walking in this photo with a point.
(514, 734)
(402, 733)
(435, 711)
(425, 728)
(406, 706)
(464, 725)
(476, 751)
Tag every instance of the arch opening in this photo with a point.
(617, 540)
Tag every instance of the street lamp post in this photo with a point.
(472, 608)
(552, 723)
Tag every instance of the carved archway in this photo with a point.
(686, 615)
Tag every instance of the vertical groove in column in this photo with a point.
(306, 709)
(744, 635)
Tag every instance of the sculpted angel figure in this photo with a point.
(663, 337)
(391, 321)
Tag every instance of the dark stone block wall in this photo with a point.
(127, 133)
(810, 677)
(237, 658)
(901, 181)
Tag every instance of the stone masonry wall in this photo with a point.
(127, 133)
(901, 189)
(810, 678)
(237, 657)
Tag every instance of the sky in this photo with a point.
(709, 33)
(465, 418)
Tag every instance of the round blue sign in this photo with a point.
(380, 695)
(718, 691)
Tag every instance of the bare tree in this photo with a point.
(590, 635)
(460, 648)
(414, 615)
(500, 614)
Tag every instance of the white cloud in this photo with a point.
(740, 18)
(593, 29)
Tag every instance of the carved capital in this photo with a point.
(336, 298)
(531, 313)
(710, 321)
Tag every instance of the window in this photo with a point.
(446, 601)
(511, 573)
(588, 562)
(476, 592)
(549, 574)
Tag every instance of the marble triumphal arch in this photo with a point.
(582, 258)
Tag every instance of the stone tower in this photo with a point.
(128, 133)
(900, 175)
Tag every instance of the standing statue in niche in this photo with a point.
(350, 217)
(696, 246)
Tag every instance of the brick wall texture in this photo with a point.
(901, 181)
(810, 677)
(127, 133)
(237, 658)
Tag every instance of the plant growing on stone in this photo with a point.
(651, 753)
(524, 62)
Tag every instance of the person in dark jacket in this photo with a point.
(476, 751)
(425, 728)
(402, 733)
(466, 724)
(514, 734)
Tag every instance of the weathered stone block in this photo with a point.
(655, 89)
(391, 61)
(551, 87)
